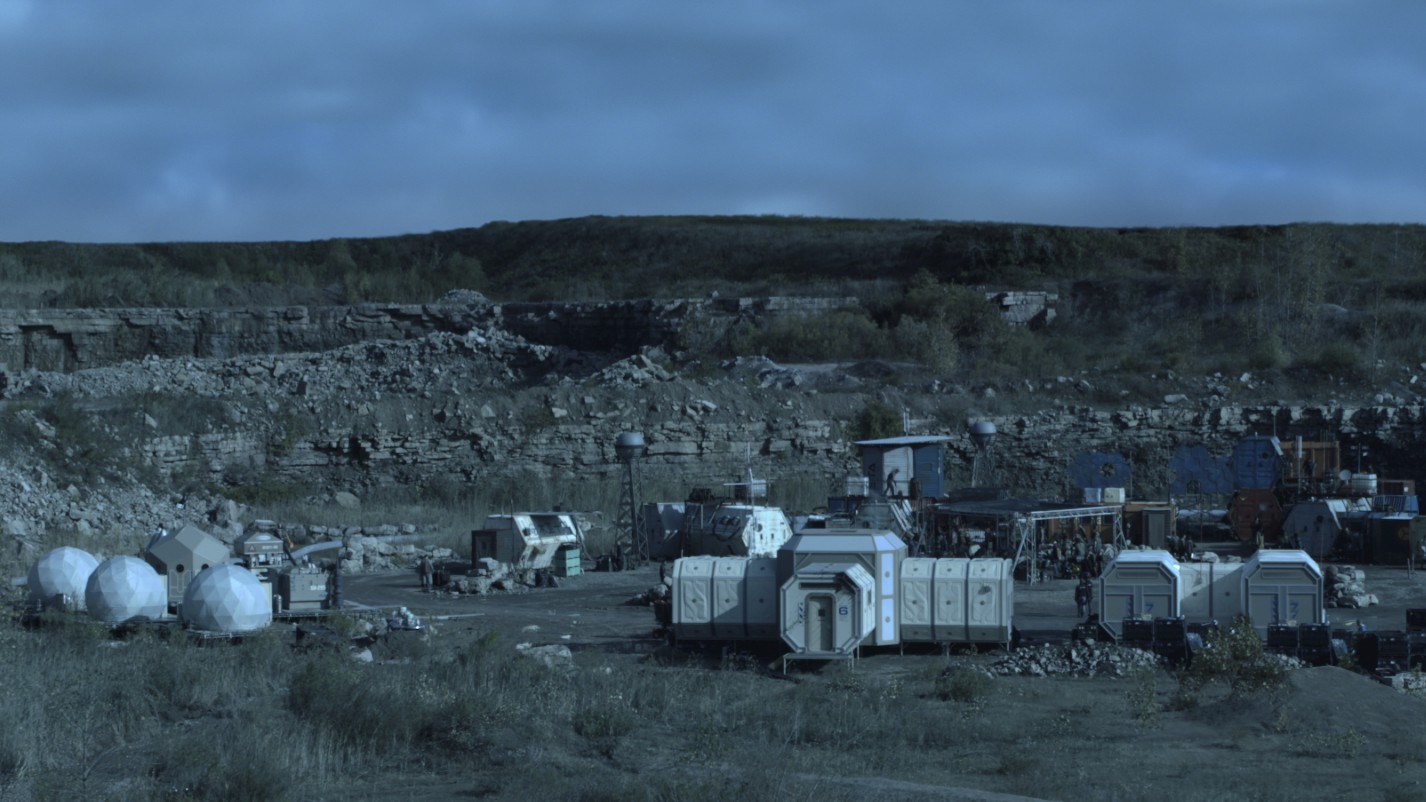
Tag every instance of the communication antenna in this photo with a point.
(982, 436)
(629, 448)
(751, 490)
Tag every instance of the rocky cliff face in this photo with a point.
(66, 340)
(472, 394)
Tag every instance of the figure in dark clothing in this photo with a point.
(1084, 596)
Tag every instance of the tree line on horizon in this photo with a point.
(1326, 296)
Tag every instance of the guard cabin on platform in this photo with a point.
(905, 467)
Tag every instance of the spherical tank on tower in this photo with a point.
(982, 433)
(629, 445)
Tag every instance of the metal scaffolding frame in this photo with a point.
(1026, 532)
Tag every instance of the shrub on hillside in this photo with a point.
(1234, 657)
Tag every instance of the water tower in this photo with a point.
(629, 448)
(982, 436)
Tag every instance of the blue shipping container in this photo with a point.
(1257, 463)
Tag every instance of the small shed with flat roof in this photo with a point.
(891, 463)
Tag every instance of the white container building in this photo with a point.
(957, 600)
(1210, 591)
(1141, 585)
(828, 610)
(1282, 588)
(725, 598)
(525, 539)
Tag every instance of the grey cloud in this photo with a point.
(276, 120)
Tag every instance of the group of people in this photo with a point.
(1068, 558)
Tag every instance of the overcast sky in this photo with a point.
(276, 119)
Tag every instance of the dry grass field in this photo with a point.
(457, 712)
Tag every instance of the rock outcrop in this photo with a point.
(466, 392)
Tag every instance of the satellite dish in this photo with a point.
(1345, 475)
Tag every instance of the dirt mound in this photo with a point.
(1323, 699)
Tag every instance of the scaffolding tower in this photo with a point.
(1028, 537)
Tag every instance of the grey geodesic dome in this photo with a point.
(61, 575)
(124, 589)
(226, 598)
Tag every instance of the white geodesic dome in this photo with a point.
(226, 598)
(124, 589)
(61, 574)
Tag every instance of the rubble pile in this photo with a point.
(1077, 660)
(384, 550)
(635, 371)
(489, 575)
(1412, 683)
(655, 594)
(1345, 586)
(1094, 660)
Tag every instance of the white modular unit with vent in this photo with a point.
(1282, 588)
(1141, 585)
(724, 598)
(879, 552)
(957, 600)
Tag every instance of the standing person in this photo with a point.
(334, 586)
(423, 567)
(891, 482)
(1083, 597)
(1258, 533)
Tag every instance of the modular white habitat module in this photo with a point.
(58, 578)
(182, 555)
(1141, 585)
(828, 610)
(957, 600)
(1282, 588)
(1276, 587)
(525, 539)
(1210, 591)
(125, 589)
(725, 598)
(879, 552)
(226, 599)
(733, 530)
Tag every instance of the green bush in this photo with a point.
(1338, 358)
(1233, 657)
(876, 419)
(961, 685)
(1268, 353)
(834, 336)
